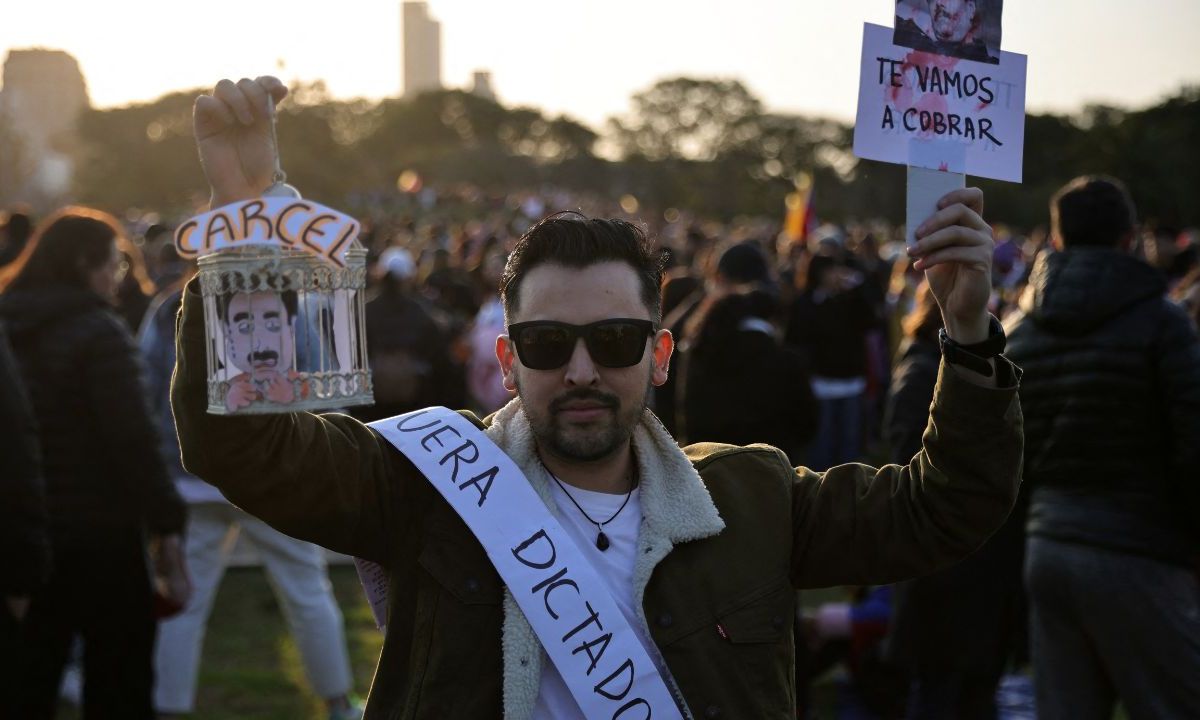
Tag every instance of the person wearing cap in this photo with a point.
(407, 344)
(740, 266)
(828, 322)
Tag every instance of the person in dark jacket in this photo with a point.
(739, 384)
(24, 540)
(1111, 396)
(829, 322)
(741, 265)
(955, 630)
(106, 485)
(407, 347)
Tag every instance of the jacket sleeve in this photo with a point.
(115, 381)
(858, 525)
(327, 479)
(24, 534)
(1178, 370)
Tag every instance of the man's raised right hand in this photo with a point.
(233, 133)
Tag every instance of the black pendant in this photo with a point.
(602, 541)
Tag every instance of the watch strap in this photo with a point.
(975, 356)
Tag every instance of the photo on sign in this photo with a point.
(269, 346)
(964, 29)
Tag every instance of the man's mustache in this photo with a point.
(584, 395)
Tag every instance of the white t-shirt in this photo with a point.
(614, 566)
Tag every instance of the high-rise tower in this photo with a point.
(422, 50)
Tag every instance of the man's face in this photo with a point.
(951, 19)
(259, 334)
(582, 411)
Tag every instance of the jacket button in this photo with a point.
(777, 622)
(472, 585)
(712, 712)
(665, 620)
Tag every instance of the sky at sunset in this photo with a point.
(586, 57)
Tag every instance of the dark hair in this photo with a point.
(288, 297)
(744, 263)
(925, 318)
(63, 250)
(573, 240)
(818, 267)
(1092, 211)
(17, 228)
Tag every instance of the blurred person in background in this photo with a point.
(738, 384)
(407, 347)
(828, 323)
(14, 233)
(298, 573)
(24, 535)
(956, 630)
(1111, 396)
(484, 380)
(107, 488)
(135, 289)
(851, 633)
(1187, 294)
(741, 265)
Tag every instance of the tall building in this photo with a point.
(41, 100)
(422, 50)
(481, 85)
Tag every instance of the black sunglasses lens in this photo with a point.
(545, 347)
(617, 344)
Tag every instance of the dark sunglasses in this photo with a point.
(548, 345)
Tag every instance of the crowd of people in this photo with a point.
(825, 346)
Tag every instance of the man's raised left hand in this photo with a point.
(954, 247)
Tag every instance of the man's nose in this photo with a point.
(581, 370)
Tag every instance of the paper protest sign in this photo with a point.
(274, 221)
(964, 116)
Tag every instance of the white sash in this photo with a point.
(591, 644)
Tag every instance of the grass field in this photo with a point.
(251, 666)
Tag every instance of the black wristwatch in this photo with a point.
(975, 357)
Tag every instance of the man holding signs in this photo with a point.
(563, 558)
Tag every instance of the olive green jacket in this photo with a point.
(727, 533)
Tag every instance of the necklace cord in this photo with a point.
(628, 494)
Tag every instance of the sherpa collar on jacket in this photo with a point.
(676, 508)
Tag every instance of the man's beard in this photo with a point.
(585, 444)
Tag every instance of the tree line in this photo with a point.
(703, 144)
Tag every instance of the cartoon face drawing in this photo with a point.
(260, 333)
(260, 338)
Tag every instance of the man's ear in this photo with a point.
(664, 345)
(506, 356)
